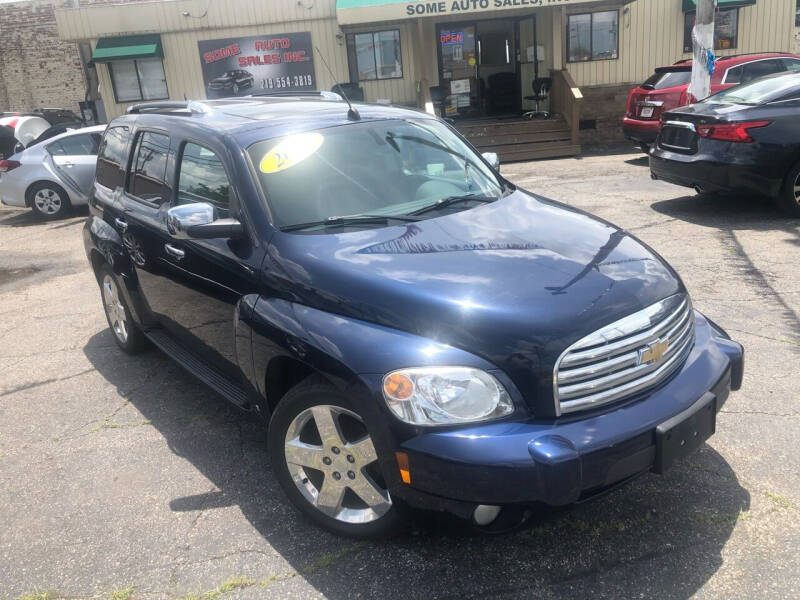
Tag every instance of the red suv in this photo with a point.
(667, 88)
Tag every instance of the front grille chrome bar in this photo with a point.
(625, 357)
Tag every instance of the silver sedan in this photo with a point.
(52, 176)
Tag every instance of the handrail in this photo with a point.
(566, 98)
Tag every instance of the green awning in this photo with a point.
(691, 5)
(127, 47)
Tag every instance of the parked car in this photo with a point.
(412, 328)
(667, 88)
(18, 130)
(745, 139)
(54, 175)
(230, 82)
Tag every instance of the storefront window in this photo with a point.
(374, 55)
(592, 36)
(140, 79)
(726, 29)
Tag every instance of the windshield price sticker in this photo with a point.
(290, 151)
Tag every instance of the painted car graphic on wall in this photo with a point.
(257, 64)
(229, 83)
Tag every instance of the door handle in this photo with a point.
(68, 164)
(174, 252)
(121, 224)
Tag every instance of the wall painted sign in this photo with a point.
(257, 64)
(364, 11)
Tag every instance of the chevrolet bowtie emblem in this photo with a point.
(654, 352)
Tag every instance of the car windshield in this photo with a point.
(388, 168)
(755, 92)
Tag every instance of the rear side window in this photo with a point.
(791, 64)
(111, 157)
(660, 81)
(753, 70)
(149, 166)
(202, 178)
(76, 145)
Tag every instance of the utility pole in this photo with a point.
(702, 50)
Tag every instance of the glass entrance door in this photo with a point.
(458, 72)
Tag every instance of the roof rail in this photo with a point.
(177, 107)
(729, 56)
(289, 94)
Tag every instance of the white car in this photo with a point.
(54, 175)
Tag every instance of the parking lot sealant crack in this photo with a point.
(35, 384)
(759, 412)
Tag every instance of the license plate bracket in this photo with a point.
(646, 112)
(685, 432)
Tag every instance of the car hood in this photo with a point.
(222, 79)
(515, 281)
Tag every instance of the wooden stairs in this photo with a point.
(521, 139)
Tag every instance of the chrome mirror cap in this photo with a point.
(492, 159)
(185, 216)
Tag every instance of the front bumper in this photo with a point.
(700, 171)
(565, 460)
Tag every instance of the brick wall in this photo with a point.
(36, 68)
(605, 106)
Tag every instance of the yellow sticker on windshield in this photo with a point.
(290, 151)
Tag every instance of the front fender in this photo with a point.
(353, 355)
(341, 348)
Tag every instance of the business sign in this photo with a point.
(365, 11)
(257, 64)
(450, 38)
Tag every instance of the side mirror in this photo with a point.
(492, 159)
(199, 221)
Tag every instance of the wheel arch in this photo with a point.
(282, 374)
(29, 190)
(97, 260)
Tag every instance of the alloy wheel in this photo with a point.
(797, 189)
(332, 461)
(47, 201)
(115, 309)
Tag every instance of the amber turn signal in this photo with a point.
(398, 386)
(402, 464)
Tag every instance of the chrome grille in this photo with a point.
(625, 357)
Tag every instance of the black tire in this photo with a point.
(644, 147)
(127, 335)
(316, 393)
(789, 200)
(48, 200)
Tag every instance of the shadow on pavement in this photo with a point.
(26, 218)
(658, 537)
(642, 161)
(731, 213)
(728, 212)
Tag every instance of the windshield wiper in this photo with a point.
(349, 220)
(444, 202)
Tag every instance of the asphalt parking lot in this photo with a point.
(123, 477)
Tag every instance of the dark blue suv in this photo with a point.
(413, 329)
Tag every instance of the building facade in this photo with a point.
(469, 59)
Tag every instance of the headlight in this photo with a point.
(445, 395)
